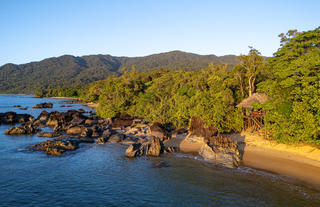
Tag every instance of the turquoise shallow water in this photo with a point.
(100, 175)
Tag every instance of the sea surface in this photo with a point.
(100, 175)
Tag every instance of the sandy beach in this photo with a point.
(297, 161)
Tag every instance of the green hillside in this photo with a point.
(67, 70)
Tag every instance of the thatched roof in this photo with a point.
(260, 98)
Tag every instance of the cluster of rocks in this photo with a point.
(14, 118)
(216, 148)
(73, 127)
(43, 105)
(56, 147)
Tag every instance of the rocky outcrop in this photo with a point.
(158, 130)
(199, 129)
(134, 150)
(14, 118)
(43, 105)
(221, 150)
(28, 128)
(122, 121)
(55, 147)
(154, 148)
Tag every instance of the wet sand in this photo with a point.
(298, 161)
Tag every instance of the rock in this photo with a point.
(44, 116)
(195, 139)
(86, 140)
(134, 150)
(81, 111)
(55, 147)
(23, 129)
(221, 150)
(43, 105)
(16, 106)
(86, 132)
(116, 138)
(15, 131)
(101, 140)
(105, 136)
(130, 140)
(158, 130)
(198, 128)
(154, 148)
(14, 118)
(171, 149)
(159, 164)
(75, 130)
(91, 122)
(48, 134)
(25, 108)
(122, 121)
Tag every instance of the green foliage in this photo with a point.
(59, 92)
(294, 85)
(173, 97)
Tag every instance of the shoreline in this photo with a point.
(61, 98)
(301, 162)
(90, 104)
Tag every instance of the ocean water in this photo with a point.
(100, 175)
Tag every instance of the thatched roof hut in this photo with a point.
(260, 98)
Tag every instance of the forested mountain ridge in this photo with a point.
(67, 70)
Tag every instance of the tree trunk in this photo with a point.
(250, 87)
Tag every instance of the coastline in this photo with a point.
(90, 104)
(63, 98)
(301, 162)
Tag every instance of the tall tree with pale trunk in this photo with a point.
(253, 64)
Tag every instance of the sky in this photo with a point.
(32, 30)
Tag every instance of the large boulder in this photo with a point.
(199, 129)
(154, 148)
(221, 150)
(134, 150)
